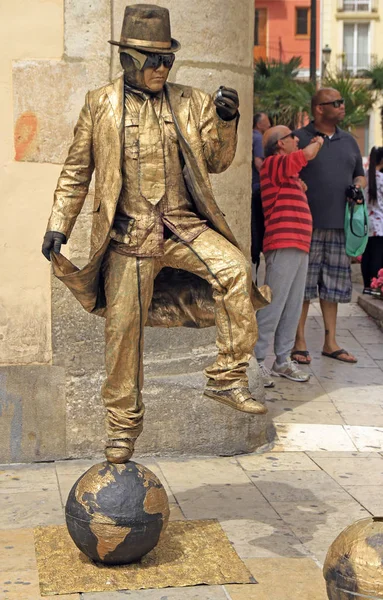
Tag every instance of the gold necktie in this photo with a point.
(151, 154)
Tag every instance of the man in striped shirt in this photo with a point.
(286, 246)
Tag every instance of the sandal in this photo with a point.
(336, 355)
(297, 353)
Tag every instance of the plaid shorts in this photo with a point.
(329, 271)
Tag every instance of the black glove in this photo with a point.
(52, 241)
(227, 102)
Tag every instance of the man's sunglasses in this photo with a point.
(154, 61)
(334, 103)
(289, 135)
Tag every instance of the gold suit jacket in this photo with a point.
(207, 143)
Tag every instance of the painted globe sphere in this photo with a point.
(353, 568)
(115, 513)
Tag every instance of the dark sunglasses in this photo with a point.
(289, 135)
(154, 61)
(334, 103)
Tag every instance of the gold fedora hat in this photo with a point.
(147, 27)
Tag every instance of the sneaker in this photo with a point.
(266, 375)
(290, 370)
(238, 398)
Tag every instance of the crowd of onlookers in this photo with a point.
(299, 195)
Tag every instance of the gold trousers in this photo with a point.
(129, 289)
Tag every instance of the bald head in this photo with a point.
(271, 138)
(323, 95)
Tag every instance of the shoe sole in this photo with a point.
(212, 396)
(291, 378)
(269, 385)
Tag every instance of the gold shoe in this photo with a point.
(119, 451)
(238, 398)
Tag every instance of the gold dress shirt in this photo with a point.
(138, 227)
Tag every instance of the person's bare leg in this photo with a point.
(329, 312)
(300, 341)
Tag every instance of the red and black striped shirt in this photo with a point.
(288, 221)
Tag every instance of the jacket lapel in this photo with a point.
(180, 106)
(116, 98)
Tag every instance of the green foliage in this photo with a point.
(375, 74)
(279, 93)
(359, 98)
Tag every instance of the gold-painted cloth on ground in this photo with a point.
(189, 553)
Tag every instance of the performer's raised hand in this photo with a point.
(227, 102)
(52, 241)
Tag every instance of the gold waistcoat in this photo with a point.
(138, 228)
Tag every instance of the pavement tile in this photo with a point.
(355, 413)
(374, 350)
(224, 502)
(369, 496)
(277, 461)
(36, 477)
(317, 523)
(268, 538)
(366, 438)
(347, 375)
(356, 454)
(309, 437)
(351, 309)
(281, 579)
(17, 548)
(186, 474)
(30, 509)
(365, 335)
(310, 391)
(379, 363)
(200, 592)
(299, 486)
(289, 411)
(323, 366)
(354, 471)
(365, 393)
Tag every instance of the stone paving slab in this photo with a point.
(366, 438)
(282, 579)
(299, 486)
(356, 413)
(368, 496)
(30, 509)
(266, 538)
(27, 478)
(351, 471)
(289, 411)
(273, 461)
(201, 592)
(305, 437)
(317, 523)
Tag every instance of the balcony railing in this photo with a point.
(356, 65)
(357, 6)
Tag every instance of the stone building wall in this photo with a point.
(51, 351)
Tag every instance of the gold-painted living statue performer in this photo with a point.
(152, 145)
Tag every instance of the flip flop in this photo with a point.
(336, 355)
(296, 353)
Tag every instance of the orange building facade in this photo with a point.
(282, 30)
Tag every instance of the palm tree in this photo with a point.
(287, 100)
(359, 97)
(278, 92)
